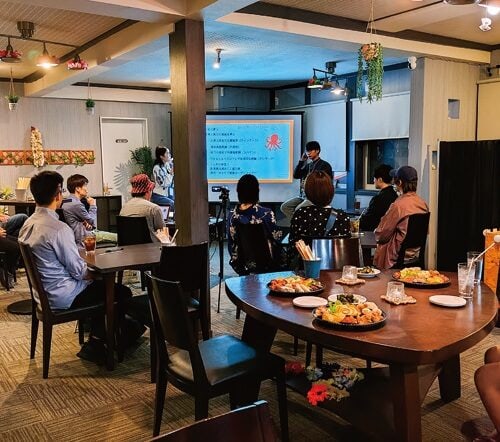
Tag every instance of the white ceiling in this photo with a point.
(251, 55)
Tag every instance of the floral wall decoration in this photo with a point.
(50, 156)
(37, 147)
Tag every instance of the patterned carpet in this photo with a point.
(81, 401)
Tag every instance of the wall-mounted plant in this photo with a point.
(370, 65)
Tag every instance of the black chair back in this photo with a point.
(132, 230)
(39, 296)
(335, 253)
(172, 323)
(416, 236)
(253, 248)
(247, 424)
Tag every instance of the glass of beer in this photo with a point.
(354, 226)
(89, 242)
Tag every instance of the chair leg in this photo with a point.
(153, 349)
(368, 363)
(119, 277)
(295, 345)
(81, 331)
(160, 393)
(319, 355)
(47, 342)
(34, 334)
(308, 353)
(238, 312)
(200, 407)
(282, 404)
(143, 281)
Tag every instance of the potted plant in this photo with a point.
(12, 100)
(371, 67)
(144, 160)
(90, 106)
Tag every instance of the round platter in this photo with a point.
(375, 273)
(351, 327)
(294, 294)
(309, 301)
(358, 298)
(423, 285)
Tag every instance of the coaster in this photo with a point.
(406, 300)
(355, 282)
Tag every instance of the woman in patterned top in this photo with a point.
(250, 212)
(163, 176)
(318, 220)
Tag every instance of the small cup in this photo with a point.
(312, 268)
(395, 290)
(349, 273)
(354, 226)
(89, 242)
(21, 194)
(479, 265)
(465, 274)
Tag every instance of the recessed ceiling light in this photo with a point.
(461, 2)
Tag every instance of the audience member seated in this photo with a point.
(487, 379)
(380, 203)
(318, 219)
(309, 162)
(9, 231)
(250, 212)
(76, 214)
(392, 228)
(140, 204)
(63, 272)
(163, 176)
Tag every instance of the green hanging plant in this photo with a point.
(371, 67)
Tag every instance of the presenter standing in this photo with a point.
(163, 176)
(309, 162)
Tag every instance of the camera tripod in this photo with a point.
(221, 233)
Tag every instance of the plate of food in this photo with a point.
(347, 298)
(416, 277)
(292, 285)
(363, 316)
(367, 272)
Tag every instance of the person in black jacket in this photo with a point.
(309, 162)
(380, 203)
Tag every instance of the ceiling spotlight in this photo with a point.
(492, 10)
(26, 29)
(485, 24)
(46, 60)
(216, 64)
(9, 55)
(461, 2)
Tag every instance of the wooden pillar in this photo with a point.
(187, 76)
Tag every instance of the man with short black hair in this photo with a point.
(309, 162)
(393, 226)
(380, 203)
(78, 217)
(63, 272)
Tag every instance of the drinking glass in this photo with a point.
(89, 242)
(349, 273)
(479, 265)
(466, 279)
(395, 290)
(312, 268)
(354, 226)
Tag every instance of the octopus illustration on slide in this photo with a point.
(273, 142)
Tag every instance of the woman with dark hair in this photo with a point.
(319, 219)
(250, 212)
(163, 176)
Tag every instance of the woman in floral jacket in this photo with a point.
(250, 212)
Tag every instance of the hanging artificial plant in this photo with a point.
(12, 98)
(370, 65)
(89, 103)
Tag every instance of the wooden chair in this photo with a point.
(42, 311)
(205, 369)
(416, 236)
(5, 270)
(335, 253)
(247, 424)
(132, 230)
(253, 251)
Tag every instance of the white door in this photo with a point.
(119, 136)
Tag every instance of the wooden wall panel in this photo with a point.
(64, 124)
(488, 107)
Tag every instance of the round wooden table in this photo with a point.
(418, 342)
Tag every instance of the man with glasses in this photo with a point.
(63, 272)
(380, 203)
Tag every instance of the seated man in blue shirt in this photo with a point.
(63, 272)
(76, 214)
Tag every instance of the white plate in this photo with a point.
(357, 298)
(368, 275)
(447, 300)
(309, 301)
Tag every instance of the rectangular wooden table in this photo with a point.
(107, 264)
(418, 342)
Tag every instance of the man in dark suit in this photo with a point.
(379, 203)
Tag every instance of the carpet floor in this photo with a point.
(81, 401)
